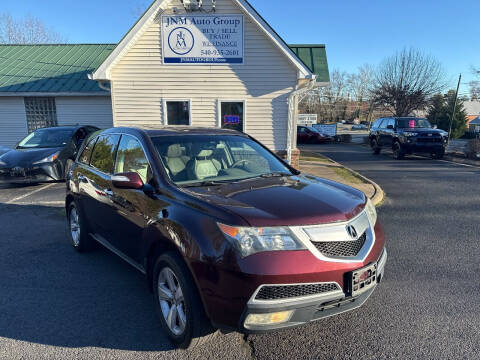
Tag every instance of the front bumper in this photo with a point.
(35, 174)
(310, 308)
(418, 146)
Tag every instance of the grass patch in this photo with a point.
(349, 176)
(312, 156)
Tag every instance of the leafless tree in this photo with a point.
(406, 81)
(475, 84)
(27, 30)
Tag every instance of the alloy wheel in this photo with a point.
(172, 301)
(75, 226)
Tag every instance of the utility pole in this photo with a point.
(454, 108)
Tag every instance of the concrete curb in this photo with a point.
(378, 196)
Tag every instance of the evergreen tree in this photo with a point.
(440, 114)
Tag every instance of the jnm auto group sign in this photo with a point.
(202, 39)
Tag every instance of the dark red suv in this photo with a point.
(229, 236)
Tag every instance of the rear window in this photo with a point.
(103, 156)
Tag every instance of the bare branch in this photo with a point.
(27, 30)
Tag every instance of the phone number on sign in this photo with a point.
(220, 53)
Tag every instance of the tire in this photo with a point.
(77, 230)
(376, 149)
(438, 155)
(398, 153)
(190, 326)
(68, 165)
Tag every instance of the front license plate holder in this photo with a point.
(363, 279)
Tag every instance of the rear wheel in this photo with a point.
(438, 155)
(79, 236)
(178, 303)
(397, 151)
(376, 149)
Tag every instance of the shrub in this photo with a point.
(473, 149)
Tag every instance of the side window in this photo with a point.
(87, 152)
(391, 122)
(131, 158)
(103, 156)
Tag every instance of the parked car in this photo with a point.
(407, 136)
(310, 135)
(4, 149)
(359, 127)
(44, 155)
(228, 235)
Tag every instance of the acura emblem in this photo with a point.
(352, 232)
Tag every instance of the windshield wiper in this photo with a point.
(275, 174)
(206, 183)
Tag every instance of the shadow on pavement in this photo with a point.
(52, 295)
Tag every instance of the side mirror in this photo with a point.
(130, 180)
(434, 127)
(390, 127)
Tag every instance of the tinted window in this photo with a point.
(131, 158)
(103, 156)
(87, 152)
(413, 123)
(47, 138)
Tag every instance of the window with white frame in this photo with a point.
(232, 115)
(177, 112)
(41, 112)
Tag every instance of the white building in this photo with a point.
(217, 66)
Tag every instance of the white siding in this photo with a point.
(85, 110)
(140, 82)
(13, 120)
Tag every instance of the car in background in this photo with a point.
(4, 149)
(228, 235)
(407, 135)
(44, 155)
(359, 127)
(310, 135)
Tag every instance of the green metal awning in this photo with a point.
(315, 58)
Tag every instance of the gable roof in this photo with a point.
(157, 7)
(51, 69)
(315, 57)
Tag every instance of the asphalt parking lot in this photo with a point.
(58, 304)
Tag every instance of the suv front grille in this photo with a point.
(277, 292)
(341, 248)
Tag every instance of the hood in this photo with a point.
(25, 157)
(288, 201)
(4, 150)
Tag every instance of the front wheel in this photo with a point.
(376, 149)
(397, 151)
(178, 303)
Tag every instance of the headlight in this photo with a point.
(48, 159)
(408, 134)
(250, 240)
(371, 212)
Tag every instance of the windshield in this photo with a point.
(47, 138)
(413, 123)
(195, 160)
(311, 128)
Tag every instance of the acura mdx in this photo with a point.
(228, 235)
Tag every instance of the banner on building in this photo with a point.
(202, 39)
(307, 119)
(327, 129)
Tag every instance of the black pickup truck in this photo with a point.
(407, 135)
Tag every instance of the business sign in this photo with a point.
(327, 129)
(202, 39)
(307, 119)
(231, 119)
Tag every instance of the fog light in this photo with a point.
(268, 319)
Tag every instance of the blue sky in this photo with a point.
(355, 32)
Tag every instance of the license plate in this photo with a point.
(364, 279)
